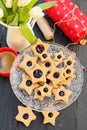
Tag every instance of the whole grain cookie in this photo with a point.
(56, 76)
(47, 65)
(28, 63)
(69, 62)
(67, 82)
(59, 56)
(43, 91)
(62, 95)
(50, 117)
(68, 71)
(37, 74)
(27, 84)
(25, 115)
(45, 56)
(39, 47)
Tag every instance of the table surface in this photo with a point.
(72, 118)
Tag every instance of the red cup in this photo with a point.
(9, 53)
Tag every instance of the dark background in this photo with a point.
(72, 118)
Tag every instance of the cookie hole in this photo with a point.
(61, 65)
(29, 63)
(61, 93)
(48, 72)
(39, 93)
(25, 116)
(47, 64)
(50, 114)
(48, 81)
(56, 75)
(39, 48)
(59, 57)
(28, 82)
(68, 71)
(45, 89)
(69, 62)
(44, 55)
(37, 73)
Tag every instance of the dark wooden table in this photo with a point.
(72, 118)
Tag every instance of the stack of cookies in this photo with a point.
(46, 75)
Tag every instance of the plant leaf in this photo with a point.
(23, 15)
(10, 18)
(14, 7)
(15, 21)
(47, 5)
(4, 8)
(27, 33)
(31, 4)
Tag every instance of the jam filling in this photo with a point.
(39, 48)
(28, 82)
(56, 75)
(37, 73)
(61, 93)
(25, 116)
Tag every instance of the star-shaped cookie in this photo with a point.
(28, 63)
(43, 91)
(59, 56)
(25, 115)
(39, 47)
(27, 84)
(37, 74)
(56, 76)
(62, 95)
(69, 62)
(50, 117)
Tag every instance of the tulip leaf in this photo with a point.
(27, 33)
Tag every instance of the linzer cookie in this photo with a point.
(25, 115)
(68, 71)
(38, 74)
(62, 95)
(56, 76)
(43, 91)
(59, 56)
(50, 117)
(39, 47)
(27, 63)
(27, 84)
(69, 62)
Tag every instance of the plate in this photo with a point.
(47, 104)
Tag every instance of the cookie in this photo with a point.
(39, 47)
(68, 71)
(25, 115)
(56, 76)
(47, 65)
(50, 117)
(67, 82)
(59, 56)
(28, 63)
(45, 56)
(43, 91)
(27, 84)
(37, 74)
(69, 62)
(62, 95)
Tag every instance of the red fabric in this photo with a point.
(69, 18)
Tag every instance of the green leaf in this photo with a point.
(27, 33)
(31, 4)
(23, 15)
(10, 18)
(47, 5)
(15, 21)
(3, 7)
(14, 7)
